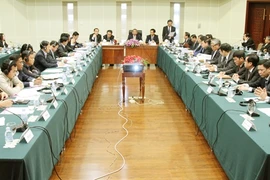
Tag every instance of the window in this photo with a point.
(70, 17)
(123, 19)
(177, 17)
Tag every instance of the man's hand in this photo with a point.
(6, 103)
(37, 81)
(262, 93)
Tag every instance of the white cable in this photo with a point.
(115, 146)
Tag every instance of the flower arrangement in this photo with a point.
(132, 43)
(133, 59)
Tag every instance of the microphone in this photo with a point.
(195, 68)
(21, 127)
(211, 78)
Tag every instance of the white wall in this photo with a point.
(34, 20)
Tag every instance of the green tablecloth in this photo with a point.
(242, 154)
(33, 160)
(4, 56)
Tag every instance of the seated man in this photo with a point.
(95, 37)
(198, 49)
(250, 74)
(135, 35)
(263, 82)
(68, 46)
(239, 69)
(28, 66)
(266, 46)
(195, 42)
(28, 81)
(9, 82)
(4, 102)
(61, 50)
(248, 42)
(206, 46)
(215, 55)
(226, 62)
(73, 41)
(109, 37)
(152, 37)
(41, 60)
(187, 42)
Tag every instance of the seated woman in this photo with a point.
(4, 102)
(28, 66)
(3, 43)
(26, 47)
(42, 61)
(27, 80)
(9, 82)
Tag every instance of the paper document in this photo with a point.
(171, 34)
(265, 111)
(17, 110)
(53, 70)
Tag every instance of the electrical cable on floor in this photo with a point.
(120, 104)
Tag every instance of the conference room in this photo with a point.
(134, 89)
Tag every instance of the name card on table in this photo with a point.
(84, 62)
(27, 136)
(248, 125)
(64, 92)
(45, 116)
(55, 104)
(72, 81)
(209, 90)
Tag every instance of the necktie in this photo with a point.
(266, 83)
(152, 37)
(169, 29)
(52, 54)
(213, 55)
(248, 75)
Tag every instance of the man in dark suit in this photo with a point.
(135, 35)
(109, 37)
(167, 30)
(250, 73)
(62, 51)
(152, 37)
(27, 80)
(206, 46)
(68, 46)
(215, 55)
(41, 60)
(266, 46)
(187, 42)
(195, 42)
(248, 41)
(226, 62)
(95, 37)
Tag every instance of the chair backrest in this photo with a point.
(139, 32)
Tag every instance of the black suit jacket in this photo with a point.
(249, 44)
(93, 40)
(215, 56)
(42, 62)
(226, 65)
(266, 47)
(261, 83)
(155, 38)
(108, 39)
(24, 78)
(187, 43)
(252, 79)
(236, 70)
(194, 45)
(165, 33)
(61, 51)
(31, 71)
(3, 43)
(138, 37)
(208, 50)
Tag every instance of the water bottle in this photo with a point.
(24, 116)
(220, 82)
(8, 135)
(64, 78)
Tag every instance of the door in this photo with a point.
(258, 21)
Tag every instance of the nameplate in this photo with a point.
(230, 100)
(27, 136)
(84, 63)
(248, 125)
(209, 90)
(72, 81)
(55, 104)
(64, 92)
(80, 68)
(46, 115)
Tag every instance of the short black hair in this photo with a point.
(254, 59)
(27, 47)
(193, 36)
(204, 39)
(63, 39)
(209, 36)
(169, 21)
(44, 44)
(65, 35)
(1, 36)
(54, 43)
(26, 54)
(187, 34)
(75, 33)
(109, 31)
(239, 54)
(7, 66)
(153, 30)
(248, 35)
(96, 29)
(15, 57)
(225, 47)
(265, 63)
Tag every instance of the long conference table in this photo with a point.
(242, 154)
(33, 160)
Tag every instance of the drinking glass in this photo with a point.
(12, 126)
